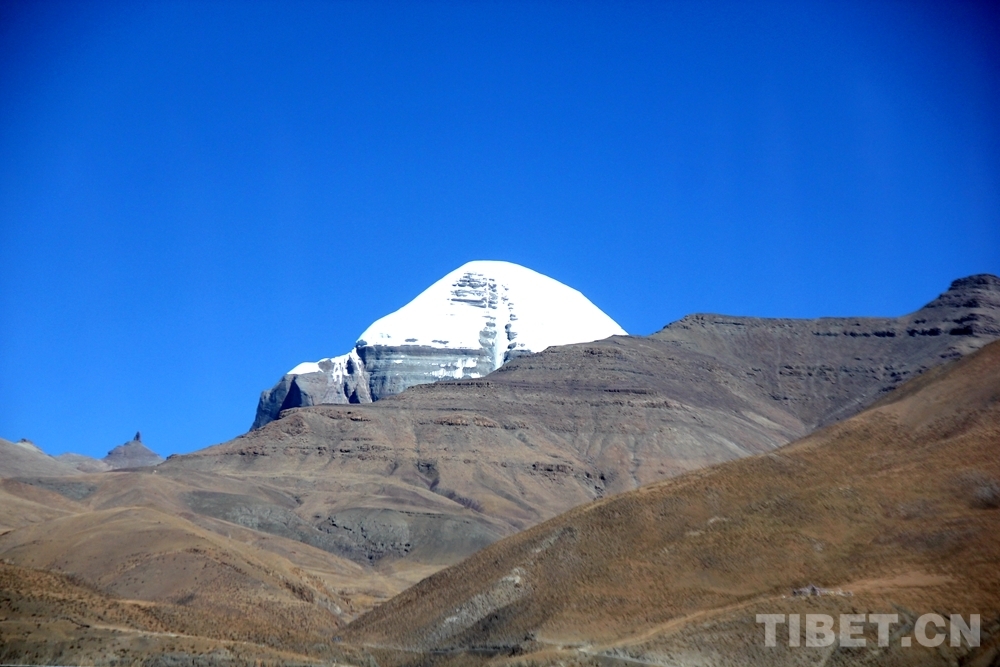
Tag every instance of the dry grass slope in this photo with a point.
(53, 619)
(898, 505)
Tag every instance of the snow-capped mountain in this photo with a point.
(466, 325)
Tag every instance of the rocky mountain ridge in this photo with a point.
(132, 454)
(444, 468)
(859, 353)
(25, 458)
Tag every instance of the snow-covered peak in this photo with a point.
(465, 325)
(493, 305)
(498, 307)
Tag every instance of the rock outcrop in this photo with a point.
(465, 325)
(826, 369)
(272, 537)
(132, 454)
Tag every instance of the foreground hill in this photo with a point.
(152, 578)
(51, 619)
(899, 506)
(441, 470)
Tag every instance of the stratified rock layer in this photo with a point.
(827, 369)
(465, 325)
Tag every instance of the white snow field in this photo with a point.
(496, 306)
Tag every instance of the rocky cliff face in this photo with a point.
(466, 325)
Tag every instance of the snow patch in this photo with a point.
(305, 367)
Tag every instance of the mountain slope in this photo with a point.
(442, 469)
(467, 324)
(349, 504)
(899, 505)
(124, 585)
(860, 357)
(52, 619)
(24, 458)
(162, 578)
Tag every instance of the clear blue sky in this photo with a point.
(196, 196)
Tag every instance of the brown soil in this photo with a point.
(49, 618)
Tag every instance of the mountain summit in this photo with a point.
(466, 325)
(132, 454)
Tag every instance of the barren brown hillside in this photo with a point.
(898, 506)
(24, 458)
(51, 619)
(433, 474)
(175, 583)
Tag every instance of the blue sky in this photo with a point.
(195, 197)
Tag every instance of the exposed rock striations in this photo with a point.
(465, 325)
(253, 540)
(882, 512)
(827, 369)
